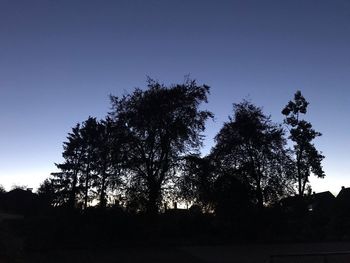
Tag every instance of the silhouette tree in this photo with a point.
(307, 158)
(92, 162)
(47, 193)
(161, 124)
(252, 148)
(231, 195)
(108, 162)
(202, 182)
(66, 181)
(196, 181)
(90, 134)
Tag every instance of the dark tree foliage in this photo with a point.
(212, 188)
(145, 155)
(66, 180)
(2, 189)
(252, 148)
(47, 193)
(90, 136)
(90, 167)
(196, 182)
(231, 196)
(307, 158)
(108, 161)
(161, 124)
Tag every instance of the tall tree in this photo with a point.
(66, 181)
(90, 134)
(252, 147)
(109, 160)
(307, 158)
(161, 125)
(74, 181)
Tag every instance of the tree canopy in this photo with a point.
(253, 148)
(146, 152)
(161, 124)
(307, 158)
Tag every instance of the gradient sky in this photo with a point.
(59, 61)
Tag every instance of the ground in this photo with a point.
(251, 253)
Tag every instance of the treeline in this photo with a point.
(145, 155)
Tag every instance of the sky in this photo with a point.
(60, 60)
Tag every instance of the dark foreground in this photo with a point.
(258, 253)
(116, 236)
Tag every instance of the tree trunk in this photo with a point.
(73, 192)
(86, 192)
(259, 196)
(103, 191)
(300, 181)
(301, 193)
(153, 197)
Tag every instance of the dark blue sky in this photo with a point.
(59, 60)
